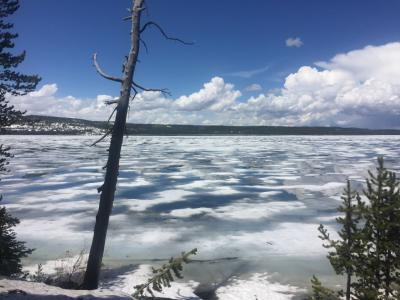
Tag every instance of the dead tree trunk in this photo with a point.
(108, 188)
(91, 279)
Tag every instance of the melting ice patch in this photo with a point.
(237, 195)
(240, 210)
(148, 237)
(167, 196)
(51, 229)
(287, 239)
(311, 187)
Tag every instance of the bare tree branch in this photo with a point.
(145, 45)
(111, 115)
(101, 72)
(130, 11)
(111, 102)
(109, 131)
(163, 33)
(134, 94)
(164, 91)
(117, 131)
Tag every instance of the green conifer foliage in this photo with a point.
(11, 250)
(163, 276)
(4, 155)
(345, 252)
(14, 83)
(320, 292)
(8, 115)
(380, 271)
(368, 251)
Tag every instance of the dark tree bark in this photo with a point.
(91, 279)
(348, 285)
(108, 188)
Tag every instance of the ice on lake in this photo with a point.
(250, 204)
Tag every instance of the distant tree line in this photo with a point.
(33, 124)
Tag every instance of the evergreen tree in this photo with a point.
(8, 114)
(380, 272)
(368, 251)
(14, 83)
(11, 81)
(11, 250)
(344, 256)
(320, 292)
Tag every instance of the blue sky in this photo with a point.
(242, 42)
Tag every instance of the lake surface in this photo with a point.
(250, 204)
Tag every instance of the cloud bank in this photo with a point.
(358, 88)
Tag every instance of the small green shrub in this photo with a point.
(11, 250)
(368, 248)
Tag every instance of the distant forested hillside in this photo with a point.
(58, 125)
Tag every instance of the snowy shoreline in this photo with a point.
(120, 281)
(121, 287)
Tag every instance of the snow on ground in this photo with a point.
(63, 264)
(25, 290)
(121, 284)
(257, 287)
(126, 282)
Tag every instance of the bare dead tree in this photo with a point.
(117, 130)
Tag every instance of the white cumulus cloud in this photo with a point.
(357, 88)
(45, 102)
(216, 95)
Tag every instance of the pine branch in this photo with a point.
(163, 276)
(320, 292)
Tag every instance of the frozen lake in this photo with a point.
(254, 200)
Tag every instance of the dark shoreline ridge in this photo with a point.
(39, 125)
